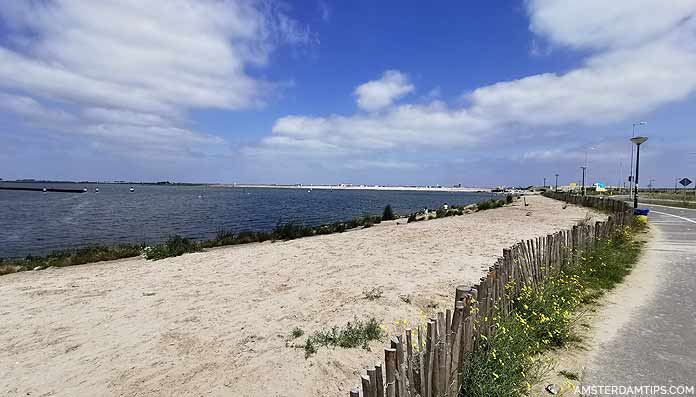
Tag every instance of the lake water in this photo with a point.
(36, 223)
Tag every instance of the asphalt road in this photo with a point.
(658, 345)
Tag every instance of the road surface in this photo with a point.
(657, 346)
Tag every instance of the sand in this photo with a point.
(218, 322)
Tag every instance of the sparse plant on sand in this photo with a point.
(373, 293)
(354, 334)
(297, 332)
(568, 374)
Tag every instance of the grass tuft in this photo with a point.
(569, 375)
(373, 293)
(354, 334)
(297, 332)
(174, 246)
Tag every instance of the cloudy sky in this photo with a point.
(318, 91)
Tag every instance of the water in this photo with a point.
(37, 223)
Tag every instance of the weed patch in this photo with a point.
(71, 257)
(373, 293)
(174, 246)
(354, 334)
(297, 332)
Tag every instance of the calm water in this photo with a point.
(37, 223)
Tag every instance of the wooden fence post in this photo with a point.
(390, 361)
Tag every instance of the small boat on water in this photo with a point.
(44, 190)
(131, 190)
(96, 190)
(84, 189)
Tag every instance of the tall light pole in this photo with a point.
(556, 182)
(544, 182)
(584, 168)
(630, 170)
(638, 140)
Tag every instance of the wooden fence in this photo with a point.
(428, 361)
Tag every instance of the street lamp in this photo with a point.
(630, 170)
(638, 140)
(585, 168)
(557, 183)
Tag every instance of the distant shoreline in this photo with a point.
(359, 187)
(263, 185)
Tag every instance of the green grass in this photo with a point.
(508, 362)
(297, 332)
(680, 195)
(490, 204)
(174, 246)
(569, 375)
(70, 257)
(354, 334)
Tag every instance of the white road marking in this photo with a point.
(667, 206)
(676, 216)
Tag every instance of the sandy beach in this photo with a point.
(219, 322)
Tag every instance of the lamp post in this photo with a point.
(638, 140)
(583, 179)
(630, 170)
(544, 182)
(556, 182)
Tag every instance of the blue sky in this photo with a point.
(479, 93)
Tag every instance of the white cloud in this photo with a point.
(378, 94)
(621, 78)
(144, 63)
(601, 24)
(383, 164)
(31, 109)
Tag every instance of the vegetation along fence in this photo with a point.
(432, 367)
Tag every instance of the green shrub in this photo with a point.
(297, 332)
(354, 334)
(291, 231)
(508, 199)
(484, 205)
(388, 214)
(174, 246)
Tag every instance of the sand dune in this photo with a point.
(218, 322)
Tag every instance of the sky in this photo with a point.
(363, 92)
